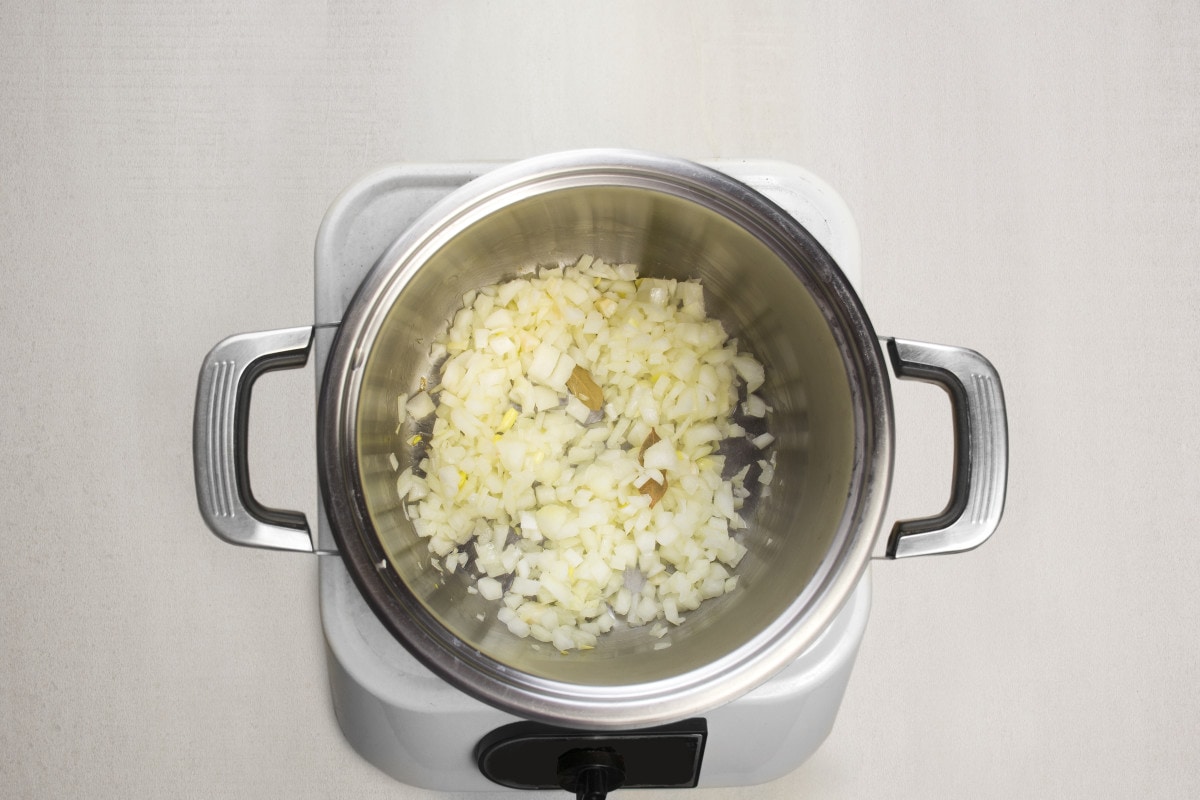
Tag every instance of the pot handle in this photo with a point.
(980, 448)
(219, 431)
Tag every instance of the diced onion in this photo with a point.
(574, 451)
(763, 441)
(420, 406)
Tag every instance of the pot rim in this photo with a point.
(618, 706)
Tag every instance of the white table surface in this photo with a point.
(1025, 177)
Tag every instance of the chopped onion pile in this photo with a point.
(573, 462)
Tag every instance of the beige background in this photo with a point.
(1025, 176)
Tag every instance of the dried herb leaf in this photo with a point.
(654, 489)
(650, 439)
(582, 385)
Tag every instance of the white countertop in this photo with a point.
(1024, 179)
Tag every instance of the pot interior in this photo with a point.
(779, 312)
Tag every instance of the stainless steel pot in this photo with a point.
(773, 287)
